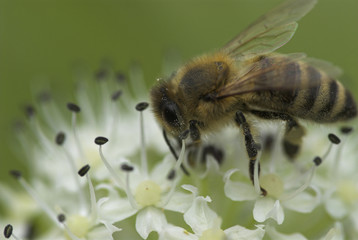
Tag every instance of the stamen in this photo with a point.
(125, 167)
(51, 214)
(116, 95)
(256, 176)
(29, 111)
(76, 109)
(101, 74)
(101, 141)
(120, 77)
(8, 232)
(141, 107)
(73, 107)
(334, 139)
(36, 128)
(172, 174)
(346, 130)
(84, 172)
(16, 174)
(62, 218)
(60, 138)
(317, 161)
(113, 112)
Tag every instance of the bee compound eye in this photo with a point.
(170, 114)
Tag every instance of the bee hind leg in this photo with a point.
(292, 139)
(251, 146)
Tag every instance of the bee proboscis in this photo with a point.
(246, 79)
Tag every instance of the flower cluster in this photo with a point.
(98, 168)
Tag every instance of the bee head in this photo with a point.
(166, 109)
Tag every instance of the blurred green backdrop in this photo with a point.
(41, 41)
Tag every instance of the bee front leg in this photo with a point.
(194, 146)
(251, 146)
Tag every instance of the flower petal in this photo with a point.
(161, 170)
(336, 208)
(238, 232)
(191, 189)
(212, 166)
(176, 233)
(335, 233)
(114, 210)
(238, 191)
(104, 232)
(150, 219)
(273, 234)
(268, 208)
(180, 202)
(199, 216)
(303, 202)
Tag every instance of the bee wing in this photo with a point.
(270, 31)
(274, 73)
(329, 68)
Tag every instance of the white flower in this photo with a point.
(78, 218)
(147, 192)
(206, 224)
(339, 182)
(280, 193)
(274, 234)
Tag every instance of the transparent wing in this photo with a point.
(271, 31)
(329, 68)
(272, 73)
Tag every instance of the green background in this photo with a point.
(42, 41)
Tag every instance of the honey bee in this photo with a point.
(245, 79)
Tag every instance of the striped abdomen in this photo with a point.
(328, 101)
(313, 94)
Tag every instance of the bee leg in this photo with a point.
(194, 146)
(172, 150)
(251, 146)
(215, 152)
(292, 139)
(194, 132)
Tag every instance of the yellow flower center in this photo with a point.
(147, 193)
(78, 225)
(348, 191)
(213, 234)
(272, 184)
